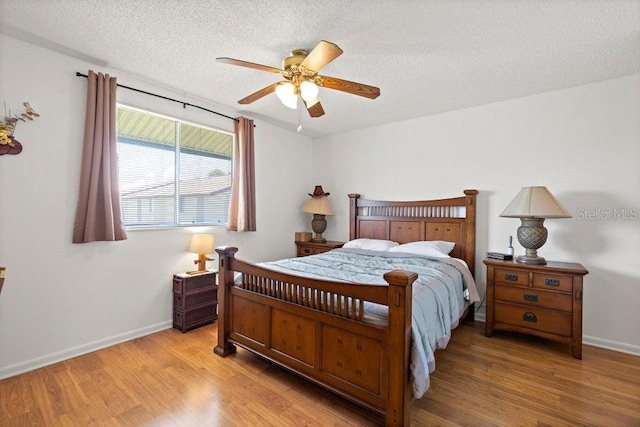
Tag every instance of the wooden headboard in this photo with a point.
(453, 220)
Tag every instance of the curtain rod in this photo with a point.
(184, 104)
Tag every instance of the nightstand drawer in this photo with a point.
(540, 319)
(190, 319)
(314, 248)
(534, 297)
(184, 283)
(205, 296)
(512, 277)
(553, 281)
(304, 251)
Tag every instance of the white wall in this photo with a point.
(582, 143)
(61, 299)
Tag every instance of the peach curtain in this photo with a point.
(99, 214)
(242, 206)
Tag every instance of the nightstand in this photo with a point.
(195, 300)
(541, 300)
(313, 248)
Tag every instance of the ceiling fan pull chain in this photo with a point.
(299, 129)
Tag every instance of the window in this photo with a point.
(171, 172)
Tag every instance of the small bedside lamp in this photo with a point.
(319, 206)
(532, 205)
(202, 244)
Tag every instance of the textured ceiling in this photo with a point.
(427, 57)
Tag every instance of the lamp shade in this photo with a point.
(318, 205)
(202, 244)
(535, 202)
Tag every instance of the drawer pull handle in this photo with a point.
(531, 297)
(511, 276)
(552, 282)
(530, 317)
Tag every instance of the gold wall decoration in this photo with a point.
(8, 144)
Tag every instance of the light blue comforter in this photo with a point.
(439, 294)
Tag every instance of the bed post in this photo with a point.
(225, 255)
(470, 243)
(399, 392)
(470, 229)
(353, 213)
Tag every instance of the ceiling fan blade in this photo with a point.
(249, 65)
(315, 110)
(321, 55)
(259, 94)
(354, 88)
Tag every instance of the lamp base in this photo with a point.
(202, 264)
(531, 235)
(319, 224)
(527, 259)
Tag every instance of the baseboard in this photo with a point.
(611, 345)
(30, 365)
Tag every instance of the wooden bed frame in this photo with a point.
(316, 328)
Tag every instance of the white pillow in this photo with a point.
(432, 248)
(370, 244)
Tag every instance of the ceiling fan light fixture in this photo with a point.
(286, 93)
(291, 102)
(284, 90)
(308, 90)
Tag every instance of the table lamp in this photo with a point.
(201, 244)
(532, 205)
(319, 206)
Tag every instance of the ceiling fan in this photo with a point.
(300, 71)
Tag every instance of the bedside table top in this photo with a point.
(561, 267)
(326, 244)
(184, 274)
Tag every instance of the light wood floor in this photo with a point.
(174, 379)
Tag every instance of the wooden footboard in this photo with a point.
(317, 329)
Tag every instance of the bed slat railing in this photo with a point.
(447, 208)
(340, 304)
(325, 296)
(413, 211)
